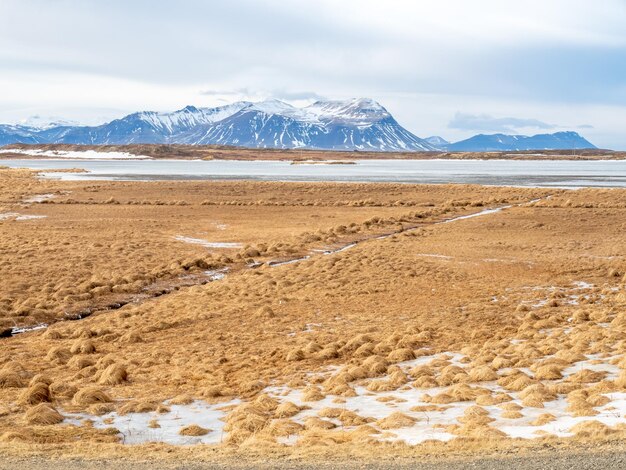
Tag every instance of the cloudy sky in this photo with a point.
(447, 67)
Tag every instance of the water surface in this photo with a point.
(544, 173)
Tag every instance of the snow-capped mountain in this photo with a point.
(436, 141)
(358, 124)
(503, 142)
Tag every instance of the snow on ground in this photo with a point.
(206, 243)
(77, 155)
(432, 421)
(16, 216)
(135, 427)
(38, 198)
(431, 424)
(216, 274)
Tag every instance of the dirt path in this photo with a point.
(555, 461)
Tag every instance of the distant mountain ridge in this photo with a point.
(357, 124)
(504, 142)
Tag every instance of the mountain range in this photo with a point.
(357, 124)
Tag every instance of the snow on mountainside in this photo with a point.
(503, 142)
(359, 124)
(437, 141)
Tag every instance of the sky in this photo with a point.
(452, 68)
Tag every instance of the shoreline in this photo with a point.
(300, 156)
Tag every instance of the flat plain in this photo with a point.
(225, 321)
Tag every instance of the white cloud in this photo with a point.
(424, 61)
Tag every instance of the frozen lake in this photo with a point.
(547, 173)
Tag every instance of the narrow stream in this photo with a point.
(214, 276)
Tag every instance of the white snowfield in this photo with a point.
(77, 155)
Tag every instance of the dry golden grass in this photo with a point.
(193, 430)
(362, 310)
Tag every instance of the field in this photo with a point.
(213, 152)
(308, 320)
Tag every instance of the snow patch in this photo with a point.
(77, 155)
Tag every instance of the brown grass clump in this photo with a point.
(425, 382)
(329, 352)
(40, 378)
(535, 395)
(427, 408)
(312, 394)
(250, 418)
(90, 396)
(214, 391)
(489, 399)
(477, 431)
(592, 428)
(382, 385)
(375, 365)
(501, 362)
(295, 355)
(548, 372)
(43, 415)
(138, 406)
(62, 389)
(283, 428)
(350, 419)
(58, 355)
(153, 424)
(80, 362)
(193, 430)
(36, 393)
(312, 347)
(476, 416)
(52, 333)
(401, 355)
(287, 410)
(83, 346)
(315, 423)
(13, 436)
(461, 392)
(132, 337)
(329, 412)
(542, 419)
(511, 411)
(396, 420)
(182, 399)
(570, 356)
(9, 379)
(364, 350)
(482, 374)
(510, 407)
(356, 342)
(449, 373)
(578, 404)
(619, 382)
(516, 381)
(113, 375)
(421, 371)
(586, 376)
(511, 414)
